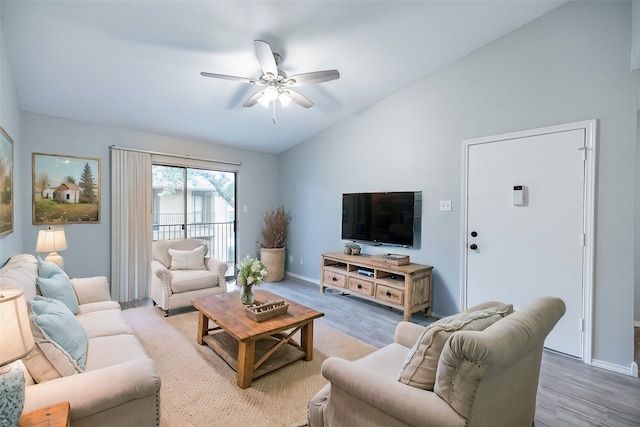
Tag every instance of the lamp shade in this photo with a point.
(51, 240)
(17, 340)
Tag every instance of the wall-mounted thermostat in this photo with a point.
(519, 195)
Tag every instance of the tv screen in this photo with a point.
(383, 218)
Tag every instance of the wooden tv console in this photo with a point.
(407, 287)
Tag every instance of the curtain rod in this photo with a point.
(225, 162)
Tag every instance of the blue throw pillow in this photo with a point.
(47, 269)
(54, 283)
(59, 325)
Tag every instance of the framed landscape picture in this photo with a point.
(6, 183)
(66, 189)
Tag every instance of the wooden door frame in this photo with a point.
(590, 127)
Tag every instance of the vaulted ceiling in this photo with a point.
(137, 64)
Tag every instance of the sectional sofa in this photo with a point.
(116, 383)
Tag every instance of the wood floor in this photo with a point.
(570, 393)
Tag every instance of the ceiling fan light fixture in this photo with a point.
(284, 98)
(270, 94)
(276, 83)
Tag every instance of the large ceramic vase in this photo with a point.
(273, 258)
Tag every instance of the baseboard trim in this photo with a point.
(631, 370)
(303, 278)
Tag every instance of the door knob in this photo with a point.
(474, 234)
(473, 246)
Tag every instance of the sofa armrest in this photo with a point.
(411, 405)
(159, 270)
(220, 268)
(91, 289)
(407, 333)
(94, 391)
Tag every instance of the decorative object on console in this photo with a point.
(274, 236)
(351, 248)
(6, 176)
(251, 272)
(52, 240)
(391, 259)
(17, 342)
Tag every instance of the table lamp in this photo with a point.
(17, 342)
(52, 240)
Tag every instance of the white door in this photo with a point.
(518, 250)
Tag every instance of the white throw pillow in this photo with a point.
(419, 368)
(188, 260)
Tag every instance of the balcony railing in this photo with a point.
(220, 236)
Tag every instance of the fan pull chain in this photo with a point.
(274, 112)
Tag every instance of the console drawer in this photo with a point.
(389, 294)
(361, 286)
(334, 279)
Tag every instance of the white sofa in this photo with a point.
(120, 385)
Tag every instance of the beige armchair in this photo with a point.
(485, 377)
(180, 272)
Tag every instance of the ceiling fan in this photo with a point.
(277, 84)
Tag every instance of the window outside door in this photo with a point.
(196, 204)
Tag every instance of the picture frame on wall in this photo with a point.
(6, 183)
(65, 189)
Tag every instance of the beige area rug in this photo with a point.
(199, 388)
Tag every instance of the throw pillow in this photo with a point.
(419, 368)
(53, 320)
(53, 282)
(47, 269)
(188, 260)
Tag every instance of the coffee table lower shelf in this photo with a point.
(225, 346)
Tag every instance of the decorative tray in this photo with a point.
(391, 259)
(263, 310)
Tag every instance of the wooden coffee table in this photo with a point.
(254, 348)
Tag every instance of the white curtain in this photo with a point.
(131, 224)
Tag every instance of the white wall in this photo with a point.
(635, 37)
(569, 65)
(89, 244)
(10, 121)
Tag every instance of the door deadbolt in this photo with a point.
(474, 234)
(473, 247)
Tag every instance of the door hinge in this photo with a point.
(582, 324)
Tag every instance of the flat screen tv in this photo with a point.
(392, 219)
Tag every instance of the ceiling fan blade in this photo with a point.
(254, 99)
(299, 99)
(313, 77)
(234, 78)
(265, 58)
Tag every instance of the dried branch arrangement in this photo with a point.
(276, 225)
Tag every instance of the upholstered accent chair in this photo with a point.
(180, 272)
(479, 368)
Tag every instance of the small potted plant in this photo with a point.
(352, 248)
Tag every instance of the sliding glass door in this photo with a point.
(196, 204)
